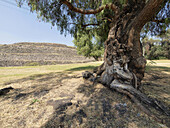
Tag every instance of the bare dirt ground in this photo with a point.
(65, 100)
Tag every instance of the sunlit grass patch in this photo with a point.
(8, 74)
(161, 65)
(165, 63)
(82, 68)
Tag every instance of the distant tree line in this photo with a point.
(157, 48)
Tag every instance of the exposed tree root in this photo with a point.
(5, 90)
(139, 105)
(138, 98)
(135, 95)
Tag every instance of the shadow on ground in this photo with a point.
(108, 109)
(162, 68)
(77, 103)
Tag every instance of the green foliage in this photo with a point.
(34, 101)
(68, 21)
(163, 18)
(161, 51)
(165, 36)
(89, 45)
(158, 48)
(155, 53)
(97, 52)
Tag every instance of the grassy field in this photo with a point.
(163, 63)
(12, 73)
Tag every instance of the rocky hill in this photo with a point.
(21, 54)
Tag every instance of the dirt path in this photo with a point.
(64, 100)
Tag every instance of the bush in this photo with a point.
(158, 52)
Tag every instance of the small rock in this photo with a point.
(121, 108)
(87, 74)
(5, 90)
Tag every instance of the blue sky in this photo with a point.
(20, 25)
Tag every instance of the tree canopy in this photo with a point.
(69, 17)
(95, 17)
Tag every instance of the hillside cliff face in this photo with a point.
(21, 54)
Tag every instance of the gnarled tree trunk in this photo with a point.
(124, 65)
(123, 58)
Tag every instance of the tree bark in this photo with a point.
(123, 57)
(124, 65)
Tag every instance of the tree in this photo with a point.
(157, 48)
(165, 43)
(119, 23)
(149, 48)
(89, 46)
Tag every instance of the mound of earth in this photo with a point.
(29, 54)
(65, 100)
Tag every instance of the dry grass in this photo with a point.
(56, 96)
(8, 74)
(162, 63)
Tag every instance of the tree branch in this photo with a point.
(106, 18)
(158, 21)
(147, 13)
(85, 25)
(91, 11)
